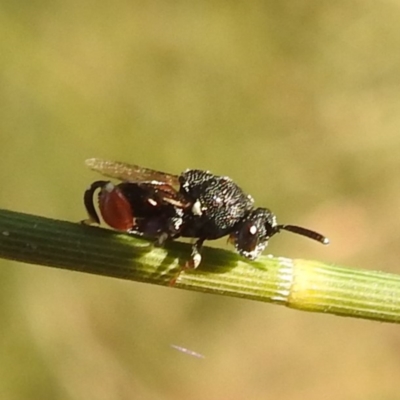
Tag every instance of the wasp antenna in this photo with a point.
(305, 232)
(88, 200)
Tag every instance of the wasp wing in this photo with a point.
(130, 173)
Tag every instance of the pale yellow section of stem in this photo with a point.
(345, 291)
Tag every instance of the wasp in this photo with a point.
(194, 204)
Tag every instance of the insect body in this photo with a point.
(195, 204)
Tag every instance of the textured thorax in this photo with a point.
(219, 202)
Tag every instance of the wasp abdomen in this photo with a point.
(115, 208)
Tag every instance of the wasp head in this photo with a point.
(252, 233)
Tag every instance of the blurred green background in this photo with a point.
(297, 101)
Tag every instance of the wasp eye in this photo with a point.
(249, 240)
(251, 235)
(246, 239)
(253, 230)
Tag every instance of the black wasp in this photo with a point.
(195, 204)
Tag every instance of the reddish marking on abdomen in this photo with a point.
(115, 209)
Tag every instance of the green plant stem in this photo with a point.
(299, 284)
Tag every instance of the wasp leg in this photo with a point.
(89, 205)
(162, 239)
(195, 256)
(193, 263)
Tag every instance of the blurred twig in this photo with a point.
(300, 284)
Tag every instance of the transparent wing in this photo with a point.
(129, 172)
